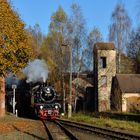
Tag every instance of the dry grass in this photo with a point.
(125, 125)
(11, 123)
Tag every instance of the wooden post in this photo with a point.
(2, 96)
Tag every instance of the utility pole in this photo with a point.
(63, 83)
(64, 99)
(70, 82)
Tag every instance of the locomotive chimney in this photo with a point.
(44, 79)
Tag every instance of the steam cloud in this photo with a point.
(36, 71)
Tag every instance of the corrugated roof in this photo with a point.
(104, 46)
(129, 83)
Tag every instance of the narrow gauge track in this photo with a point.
(107, 132)
(56, 131)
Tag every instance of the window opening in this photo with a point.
(102, 62)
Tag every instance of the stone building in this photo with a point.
(104, 90)
(104, 70)
(82, 91)
(119, 92)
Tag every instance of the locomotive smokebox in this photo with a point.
(48, 95)
(43, 92)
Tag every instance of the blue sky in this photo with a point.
(96, 12)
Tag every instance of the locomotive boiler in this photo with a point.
(44, 101)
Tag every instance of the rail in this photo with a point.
(108, 132)
(56, 131)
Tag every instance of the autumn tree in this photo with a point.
(14, 49)
(53, 49)
(36, 39)
(48, 54)
(119, 30)
(57, 30)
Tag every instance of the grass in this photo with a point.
(108, 122)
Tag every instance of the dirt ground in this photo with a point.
(15, 128)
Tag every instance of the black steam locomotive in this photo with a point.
(44, 101)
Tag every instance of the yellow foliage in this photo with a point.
(14, 44)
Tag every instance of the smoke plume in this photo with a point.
(36, 71)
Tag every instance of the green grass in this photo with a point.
(112, 123)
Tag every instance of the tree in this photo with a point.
(77, 36)
(133, 47)
(53, 50)
(133, 44)
(119, 30)
(93, 37)
(36, 38)
(14, 49)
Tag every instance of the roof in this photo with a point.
(80, 86)
(129, 83)
(82, 82)
(88, 77)
(104, 46)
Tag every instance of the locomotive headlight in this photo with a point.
(56, 107)
(41, 107)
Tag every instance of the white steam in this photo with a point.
(36, 71)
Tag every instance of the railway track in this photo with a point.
(56, 131)
(105, 132)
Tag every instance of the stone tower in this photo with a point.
(104, 70)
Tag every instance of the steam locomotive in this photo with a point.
(44, 101)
